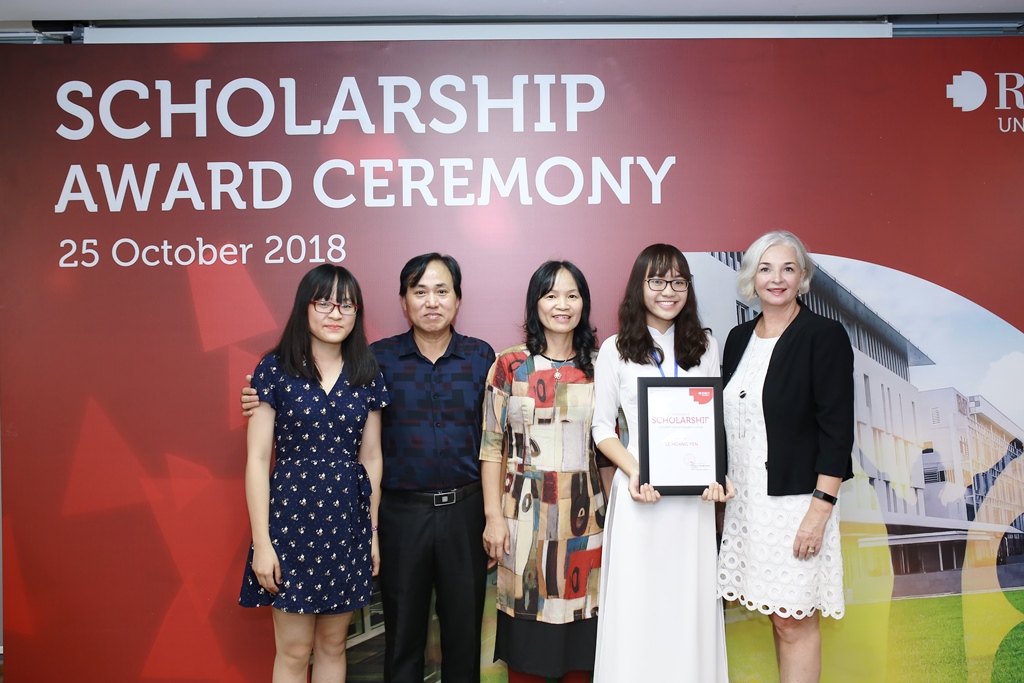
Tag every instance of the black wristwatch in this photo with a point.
(827, 497)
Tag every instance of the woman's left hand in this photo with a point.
(715, 492)
(497, 542)
(809, 537)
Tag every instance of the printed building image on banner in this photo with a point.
(161, 202)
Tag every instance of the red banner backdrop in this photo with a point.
(160, 203)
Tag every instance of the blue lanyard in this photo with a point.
(675, 369)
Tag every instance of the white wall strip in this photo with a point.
(653, 30)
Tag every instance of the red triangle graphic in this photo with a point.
(203, 553)
(187, 480)
(228, 306)
(105, 473)
(232, 675)
(17, 612)
(186, 646)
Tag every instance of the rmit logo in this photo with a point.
(968, 91)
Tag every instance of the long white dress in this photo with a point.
(660, 617)
(756, 565)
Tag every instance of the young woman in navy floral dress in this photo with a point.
(314, 517)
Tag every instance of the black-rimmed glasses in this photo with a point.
(658, 284)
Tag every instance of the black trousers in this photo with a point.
(426, 549)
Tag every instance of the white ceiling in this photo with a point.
(262, 10)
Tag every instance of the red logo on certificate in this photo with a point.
(702, 395)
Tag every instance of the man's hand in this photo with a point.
(249, 399)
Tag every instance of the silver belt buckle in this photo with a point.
(444, 498)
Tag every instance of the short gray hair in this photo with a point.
(745, 278)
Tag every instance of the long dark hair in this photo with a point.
(295, 350)
(634, 341)
(584, 337)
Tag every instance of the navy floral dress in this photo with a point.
(319, 493)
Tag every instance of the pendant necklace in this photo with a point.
(748, 371)
(561, 364)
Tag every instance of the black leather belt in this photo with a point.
(436, 498)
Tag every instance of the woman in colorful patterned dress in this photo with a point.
(314, 549)
(660, 617)
(542, 497)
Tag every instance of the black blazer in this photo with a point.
(808, 401)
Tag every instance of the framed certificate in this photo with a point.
(682, 436)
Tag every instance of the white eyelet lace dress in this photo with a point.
(756, 564)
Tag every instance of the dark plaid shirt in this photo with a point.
(431, 429)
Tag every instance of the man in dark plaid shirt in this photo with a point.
(431, 512)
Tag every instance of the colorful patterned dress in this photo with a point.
(537, 420)
(319, 493)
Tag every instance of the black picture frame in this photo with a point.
(717, 435)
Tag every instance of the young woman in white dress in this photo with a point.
(660, 617)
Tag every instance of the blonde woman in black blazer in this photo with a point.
(789, 425)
